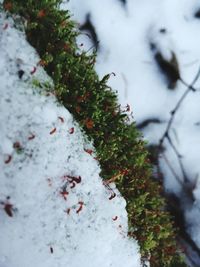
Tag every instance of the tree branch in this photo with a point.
(174, 111)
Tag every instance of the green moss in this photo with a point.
(120, 150)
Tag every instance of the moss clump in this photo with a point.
(120, 150)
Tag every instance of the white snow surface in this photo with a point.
(54, 209)
(125, 32)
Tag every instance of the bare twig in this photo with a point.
(166, 135)
(179, 157)
(173, 112)
(186, 184)
(172, 169)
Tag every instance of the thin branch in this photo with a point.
(172, 169)
(166, 134)
(179, 156)
(184, 181)
(173, 112)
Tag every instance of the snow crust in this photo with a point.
(125, 32)
(54, 209)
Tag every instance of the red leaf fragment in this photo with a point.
(8, 160)
(5, 26)
(89, 123)
(64, 194)
(53, 131)
(124, 172)
(115, 218)
(73, 180)
(17, 145)
(81, 207)
(31, 137)
(71, 131)
(42, 63)
(112, 196)
(76, 179)
(68, 211)
(33, 71)
(8, 209)
(89, 151)
(128, 108)
(61, 119)
(73, 185)
(41, 13)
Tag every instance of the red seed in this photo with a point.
(73, 185)
(89, 123)
(71, 131)
(81, 207)
(8, 160)
(61, 119)
(42, 63)
(41, 13)
(64, 194)
(89, 151)
(31, 137)
(72, 179)
(75, 179)
(5, 26)
(17, 145)
(8, 209)
(128, 108)
(33, 71)
(53, 131)
(112, 196)
(124, 172)
(68, 211)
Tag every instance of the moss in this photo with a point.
(120, 150)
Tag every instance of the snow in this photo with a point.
(54, 209)
(125, 32)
